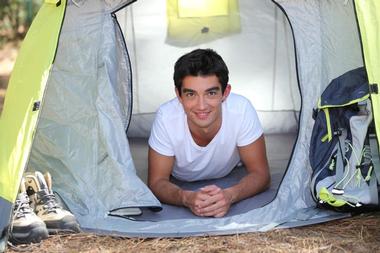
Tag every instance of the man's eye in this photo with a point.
(189, 94)
(212, 93)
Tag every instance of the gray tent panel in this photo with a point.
(81, 138)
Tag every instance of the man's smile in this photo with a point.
(202, 115)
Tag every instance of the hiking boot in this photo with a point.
(45, 205)
(26, 226)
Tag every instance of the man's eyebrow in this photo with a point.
(216, 88)
(184, 90)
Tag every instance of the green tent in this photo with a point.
(21, 110)
(70, 100)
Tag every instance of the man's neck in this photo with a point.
(203, 136)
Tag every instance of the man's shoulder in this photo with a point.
(171, 109)
(237, 103)
(237, 98)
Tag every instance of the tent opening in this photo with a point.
(259, 52)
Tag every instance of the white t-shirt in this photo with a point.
(170, 136)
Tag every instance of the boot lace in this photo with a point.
(22, 206)
(48, 201)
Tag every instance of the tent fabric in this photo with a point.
(80, 138)
(293, 196)
(21, 107)
(94, 151)
(23, 99)
(194, 24)
(311, 51)
(369, 19)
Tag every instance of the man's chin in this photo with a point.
(203, 125)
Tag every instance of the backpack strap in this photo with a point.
(340, 156)
(328, 135)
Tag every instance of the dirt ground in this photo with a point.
(357, 234)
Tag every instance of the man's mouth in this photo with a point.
(202, 115)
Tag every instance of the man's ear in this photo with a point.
(177, 93)
(226, 92)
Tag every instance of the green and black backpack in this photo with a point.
(343, 148)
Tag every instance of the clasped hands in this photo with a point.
(210, 200)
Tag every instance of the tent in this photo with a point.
(82, 83)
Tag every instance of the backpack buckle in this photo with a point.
(373, 88)
(36, 106)
(315, 113)
(338, 132)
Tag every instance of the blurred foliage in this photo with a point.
(16, 17)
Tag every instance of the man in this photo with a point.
(203, 134)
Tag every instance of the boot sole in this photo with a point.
(34, 235)
(59, 227)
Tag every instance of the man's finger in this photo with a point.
(218, 212)
(202, 200)
(214, 204)
(211, 189)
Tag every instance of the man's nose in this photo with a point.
(201, 103)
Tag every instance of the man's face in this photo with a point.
(201, 98)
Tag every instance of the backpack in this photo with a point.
(343, 147)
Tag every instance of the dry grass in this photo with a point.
(357, 234)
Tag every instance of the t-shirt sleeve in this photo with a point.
(159, 139)
(251, 128)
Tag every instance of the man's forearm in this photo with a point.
(168, 192)
(250, 185)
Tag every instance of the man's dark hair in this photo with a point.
(200, 62)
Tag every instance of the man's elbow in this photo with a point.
(156, 185)
(152, 182)
(267, 181)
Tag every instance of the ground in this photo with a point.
(357, 234)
